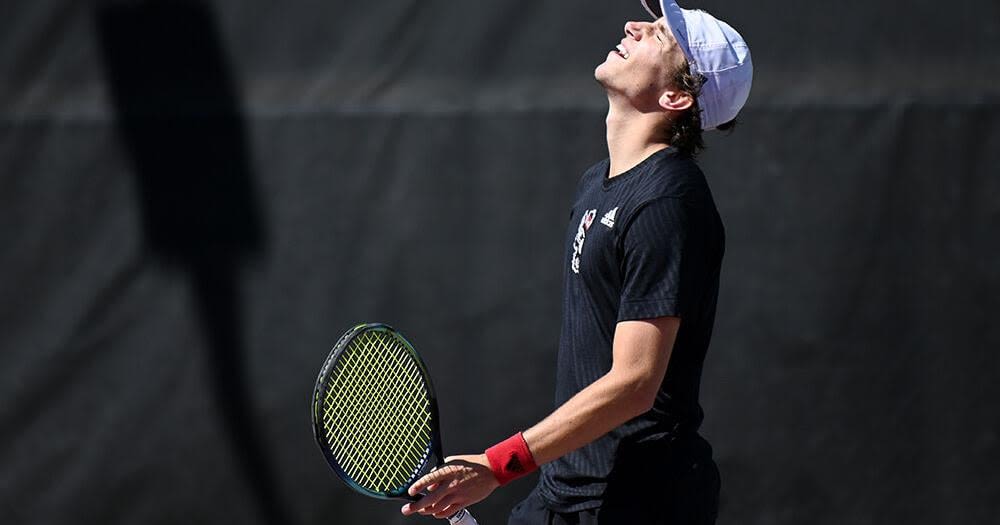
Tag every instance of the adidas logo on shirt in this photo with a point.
(609, 218)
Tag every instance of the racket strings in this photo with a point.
(376, 413)
(378, 421)
(357, 418)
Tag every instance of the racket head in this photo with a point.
(374, 412)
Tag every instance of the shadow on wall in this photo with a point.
(178, 113)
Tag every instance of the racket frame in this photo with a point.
(320, 388)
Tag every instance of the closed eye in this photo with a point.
(660, 33)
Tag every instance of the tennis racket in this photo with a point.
(375, 416)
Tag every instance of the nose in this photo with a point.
(634, 29)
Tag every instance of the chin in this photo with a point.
(602, 73)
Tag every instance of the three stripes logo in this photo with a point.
(514, 464)
(609, 218)
(581, 233)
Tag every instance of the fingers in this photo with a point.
(423, 484)
(430, 503)
(455, 485)
(447, 512)
(430, 500)
(442, 509)
(437, 511)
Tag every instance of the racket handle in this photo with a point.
(462, 517)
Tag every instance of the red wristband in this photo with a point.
(511, 459)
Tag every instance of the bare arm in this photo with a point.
(640, 355)
(641, 351)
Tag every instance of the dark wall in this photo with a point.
(197, 198)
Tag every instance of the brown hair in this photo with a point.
(684, 131)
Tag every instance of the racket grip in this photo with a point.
(462, 517)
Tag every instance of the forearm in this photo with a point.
(641, 350)
(641, 353)
(591, 413)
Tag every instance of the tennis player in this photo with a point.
(642, 263)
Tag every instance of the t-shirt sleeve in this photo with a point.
(653, 251)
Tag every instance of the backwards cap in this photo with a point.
(715, 50)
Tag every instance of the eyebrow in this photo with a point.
(662, 29)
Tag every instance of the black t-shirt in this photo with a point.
(645, 244)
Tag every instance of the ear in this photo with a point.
(676, 100)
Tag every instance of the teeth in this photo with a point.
(622, 51)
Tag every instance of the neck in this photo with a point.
(633, 135)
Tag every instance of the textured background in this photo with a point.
(197, 198)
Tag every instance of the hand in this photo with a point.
(459, 483)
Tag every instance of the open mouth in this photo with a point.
(621, 51)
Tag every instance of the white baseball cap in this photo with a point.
(715, 50)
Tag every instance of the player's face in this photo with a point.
(641, 65)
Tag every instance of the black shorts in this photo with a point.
(685, 491)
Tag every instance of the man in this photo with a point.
(643, 257)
